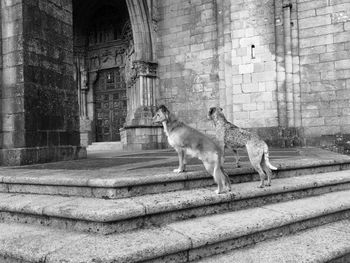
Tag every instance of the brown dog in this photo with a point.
(188, 141)
(231, 136)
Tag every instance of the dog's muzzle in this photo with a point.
(155, 121)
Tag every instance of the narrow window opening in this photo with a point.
(252, 51)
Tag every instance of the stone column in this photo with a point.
(288, 93)
(140, 133)
(40, 115)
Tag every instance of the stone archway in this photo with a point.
(137, 65)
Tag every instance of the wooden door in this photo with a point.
(110, 105)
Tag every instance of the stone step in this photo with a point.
(110, 216)
(114, 184)
(327, 243)
(105, 146)
(181, 241)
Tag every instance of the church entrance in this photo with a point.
(111, 105)
(103, 51)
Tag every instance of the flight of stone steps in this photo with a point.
(94, 216)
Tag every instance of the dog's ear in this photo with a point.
(211, 110)
(163, 109)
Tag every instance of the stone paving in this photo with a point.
(167, 159)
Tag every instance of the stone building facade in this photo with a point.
(79, 71)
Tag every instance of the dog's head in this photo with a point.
(162, 114)
(214, 113)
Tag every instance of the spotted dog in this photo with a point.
(233, 137)
(188, 141)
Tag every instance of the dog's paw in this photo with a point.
(260, 186)
(178, 170)
(218, 192)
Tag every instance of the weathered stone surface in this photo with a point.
(324, 243)
(116, 182)
(33, 243)
(108, 216)
(36, 68)
(132, 247)
(95, 209)
(302, 208)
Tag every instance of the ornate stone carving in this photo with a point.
(127, 31)
(141, 68)
(144, 68)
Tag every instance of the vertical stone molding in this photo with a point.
(143, 93)
(139, 131)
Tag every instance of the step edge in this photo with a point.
(140, 209)
(149, 180)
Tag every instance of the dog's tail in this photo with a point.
(266, 158)
(227, 178)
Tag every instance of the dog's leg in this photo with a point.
(266, 157)
(261, 174)
(182, 161)
(255, 154)
(235, 151)
(227, 179)
(267, 171)
(219, 179)
(212, 168)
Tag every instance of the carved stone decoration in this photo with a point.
(84, 80)
(154, 10)
(141, 68)
(94, 77)
(127, 32)
(129, 71)
(106, 55)
(95, 61)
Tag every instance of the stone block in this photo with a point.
(312, 50)
(334, 56)
(341, 37)
(247, 68)
(317, 41)
(342, 64)
(320, 121)
(307, 5)
(306, 13)
(334, 8)
(309, 59)
(264, 76)
(321, 30)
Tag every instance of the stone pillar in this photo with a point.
(40, 116)
(140, 133)
(288, 93)
(224, 53)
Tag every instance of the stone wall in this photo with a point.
(187, 57)
(41, 121)
(324, 32)
(280, 67)
(253, 65)
(12, 88)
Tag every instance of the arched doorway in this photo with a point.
(116, 71)
(103, 47)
